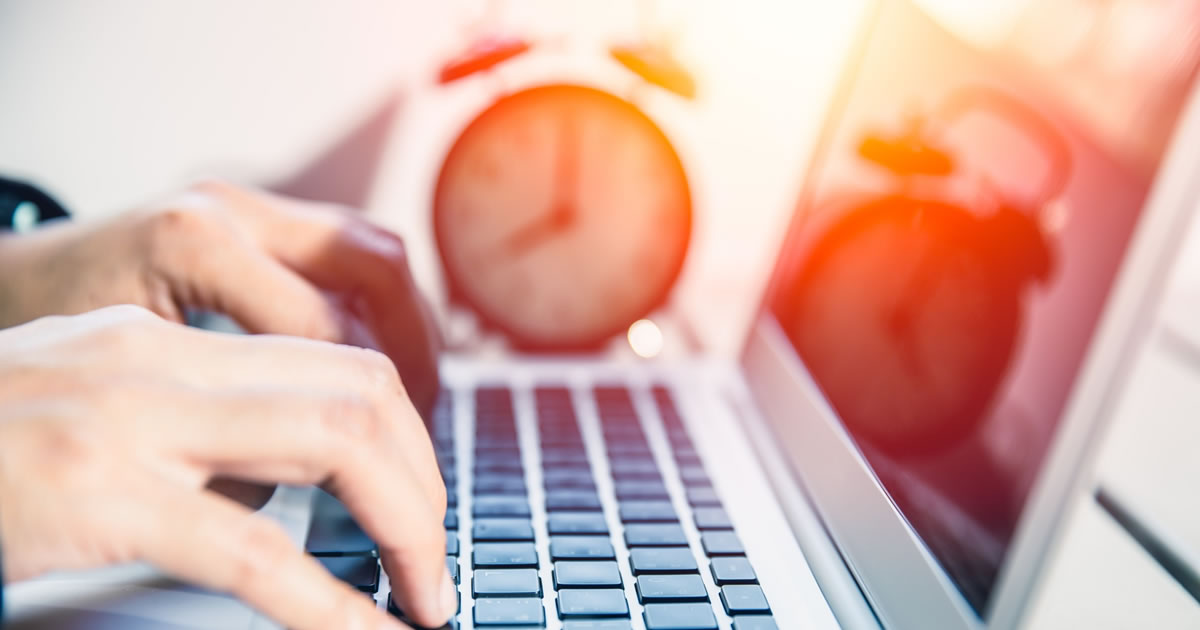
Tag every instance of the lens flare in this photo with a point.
(645, 338)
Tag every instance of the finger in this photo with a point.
(340, 251)
(261, 294)
(341, 441)
(279, 367)
(211, 541)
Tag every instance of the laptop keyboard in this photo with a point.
(616, 555)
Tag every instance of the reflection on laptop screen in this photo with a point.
(960, 230)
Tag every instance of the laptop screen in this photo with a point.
(961, 225)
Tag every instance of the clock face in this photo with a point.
(562, 215)
(904, 323)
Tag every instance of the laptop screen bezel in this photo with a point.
(898, 574)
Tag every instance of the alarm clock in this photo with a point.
(562, 215)
(907, 314)
(908, 309)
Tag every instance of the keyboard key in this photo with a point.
(360, 572)
(451, 497)
(565, 466)
(493, 505)
(580, 548)
(509, 611)
(509, 582)
(576, 523)
(452, 565)
(572, 500)
(754, 622)
(654, 535)
(502, 554)
(640, 489)
(568, 478)
(497, 460)
(559, 455)
(502, 529)
(586, 574)
(722, 543)
(500, 485)
(711, 518)
(451, 519)
(608, 602)
(647, 511)
(333, 531)
(451, 544)
(512, 467)
(662, 560)
(560, 439)
(496, 441)
(694, 476)
(679, 617)
(671, 588)
(597, 624)
(634, 468)
(732, 570)
(702, 495)
(639, 449)
(744, 598)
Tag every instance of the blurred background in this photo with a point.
(111, 104)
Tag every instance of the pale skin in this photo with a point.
(117, 422)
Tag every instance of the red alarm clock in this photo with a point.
(562, 215)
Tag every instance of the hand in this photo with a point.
(275, 265)
(113, 423)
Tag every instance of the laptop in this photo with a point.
(919, 398)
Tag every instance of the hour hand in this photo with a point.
(534, 233)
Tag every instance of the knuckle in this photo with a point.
(378, 370)
(71, 454)
(355, 422)
(177, 220)
(123, 329)
(183, 234)
(262, 550)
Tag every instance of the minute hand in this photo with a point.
(562, 215)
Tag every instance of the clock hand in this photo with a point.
(545, 227)
(562, 216)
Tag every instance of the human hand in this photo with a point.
(113, 423)
(273, 264)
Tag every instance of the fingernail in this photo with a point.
(449, 597)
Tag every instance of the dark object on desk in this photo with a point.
(23, 205)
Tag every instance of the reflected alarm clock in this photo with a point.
(562, 215)
(909, 309)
